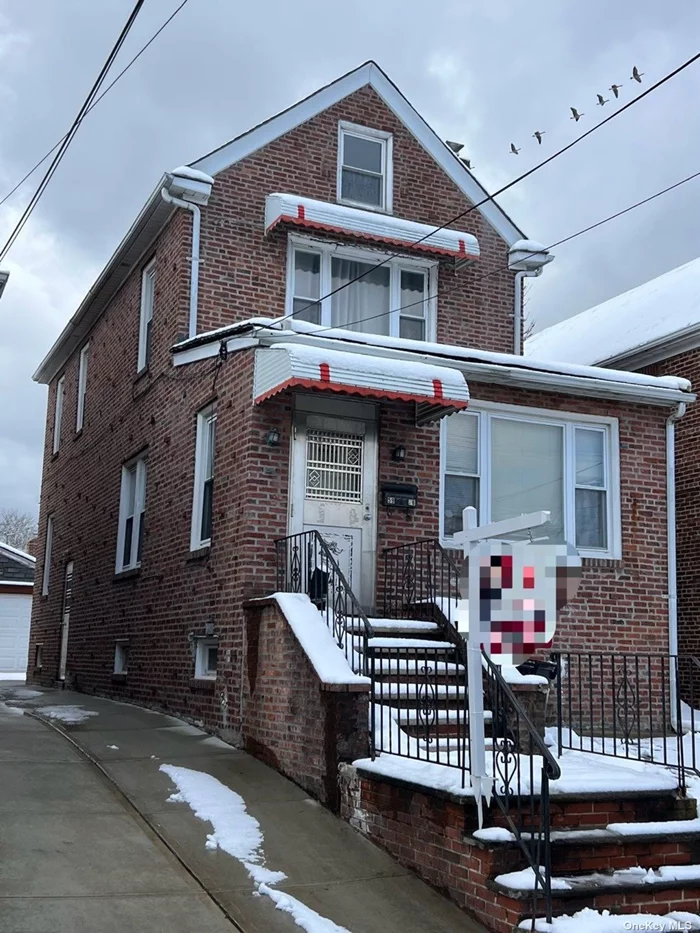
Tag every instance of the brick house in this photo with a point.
(317, 327)
(652, 329)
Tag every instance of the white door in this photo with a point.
(65, 620)
(334, 490)
(15, 614)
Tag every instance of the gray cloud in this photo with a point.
(485, 74)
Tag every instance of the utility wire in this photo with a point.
(511, 184)
(96, 101)
(68, 138)
(499, 271)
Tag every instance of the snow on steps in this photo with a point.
(397, 626)
(411, 716)
(595, 921)
(521, 883)
(387, 642)
(392, 691)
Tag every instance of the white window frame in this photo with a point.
(205, 418)
(387, 141)
(58, 413)
(201, 670)
(82, 387)
(569, 421)
(328, 251)
(139, 464)
(148, 294)
(121, 656)
(48, 547)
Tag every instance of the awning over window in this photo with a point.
(369, 225)
(437, 390)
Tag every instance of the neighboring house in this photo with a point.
(16, 583)
(652, 329)
(297, 364)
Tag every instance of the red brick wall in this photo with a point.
(243, 273)
(289, 720)
(687, 365)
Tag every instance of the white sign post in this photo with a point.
(469, 539)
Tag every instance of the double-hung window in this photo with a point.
(364, 167)
(82, 387)
(202, 505)
(58, 413)
(393, 299)
(132, 512)
(508, 462)
(148, 293)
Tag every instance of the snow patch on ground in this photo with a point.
(593, 921)
(72, 715)
(10, 710)
(113, 746)
(24, 693)
(239, 834)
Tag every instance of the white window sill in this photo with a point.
(364, 207)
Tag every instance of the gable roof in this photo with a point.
(156, 211)
(15, 566)
(643, 325)
(368, 74)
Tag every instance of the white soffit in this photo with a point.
(320, 215)
(368, 74)
(287, 366)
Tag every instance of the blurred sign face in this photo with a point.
(521, 588)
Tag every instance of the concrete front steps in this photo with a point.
(627, 853)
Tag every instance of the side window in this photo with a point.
(48, 546)
(148, 291)
(132, 511)
(58, 413)
(82, 387)
(202, 503)
(364, 167)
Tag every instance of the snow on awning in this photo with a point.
(437, 390)
(319, 215)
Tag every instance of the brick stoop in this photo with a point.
(432, 832)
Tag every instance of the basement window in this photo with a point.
(121, 657)
(206, 658)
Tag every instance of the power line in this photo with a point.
(499, 271)
(68, 138)
(96, 101)
(507, 187)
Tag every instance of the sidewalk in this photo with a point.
(105, 852)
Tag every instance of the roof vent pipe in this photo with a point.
(183, 188)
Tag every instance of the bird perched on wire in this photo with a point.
(538, 134)
(467, 162)
(615, 88)
(575, 115)
(637, 75)
(513, 149)
(602, 100)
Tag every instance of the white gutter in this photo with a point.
(671, 549)
(518, 310)
(194, 258)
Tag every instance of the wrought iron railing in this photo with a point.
(419, 705)
(420, 577)
(306, 565)
(522, 767)
(624, 706)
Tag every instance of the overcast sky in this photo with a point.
(482, 74)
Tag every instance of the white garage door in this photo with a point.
(15, 613)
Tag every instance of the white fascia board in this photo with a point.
(368, 74)
(654, 352)
(206, 351)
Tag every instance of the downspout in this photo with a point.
(194, 258)
(671, 549)
(518, 310)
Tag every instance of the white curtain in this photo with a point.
(366, 298)
(527, 472)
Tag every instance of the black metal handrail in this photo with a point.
(305, 564)
(418, 577)
(519, 757)
(621, 706)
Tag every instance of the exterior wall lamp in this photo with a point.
(398, 454)
(272, 438)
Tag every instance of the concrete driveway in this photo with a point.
(81, 855)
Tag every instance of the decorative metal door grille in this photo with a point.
(334, 466)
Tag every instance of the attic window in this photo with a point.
(364, 167)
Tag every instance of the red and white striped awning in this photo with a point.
(438, 390)
(369, 225)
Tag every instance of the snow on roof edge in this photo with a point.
(17, 552)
